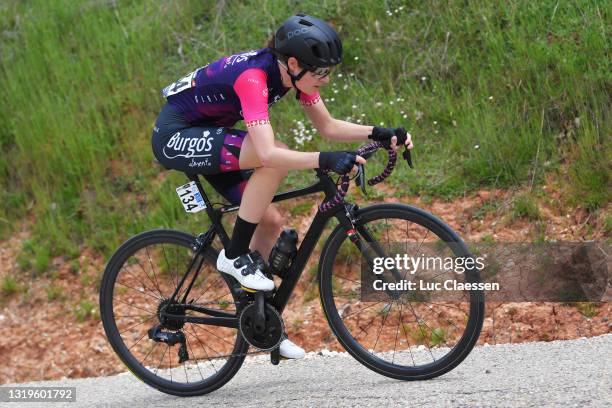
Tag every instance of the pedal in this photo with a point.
(171, 338)
(275, 356)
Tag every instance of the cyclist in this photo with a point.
(194, 134)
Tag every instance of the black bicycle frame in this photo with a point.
(284, 291)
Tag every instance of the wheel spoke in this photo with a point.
(203, 348)
(193, 355)
(153, 269)
(136, 290)
(134, 300)
(373, 331)
(135, 307)
(135, 325)
(387, 313)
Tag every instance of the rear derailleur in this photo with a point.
(170, 338)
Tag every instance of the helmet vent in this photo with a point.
(315, 51)
(306, 23)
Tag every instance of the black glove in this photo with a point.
(384, 135)
(338, 162)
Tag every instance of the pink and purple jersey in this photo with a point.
(234, 88)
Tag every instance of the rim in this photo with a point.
(415, 331)
(141, 289)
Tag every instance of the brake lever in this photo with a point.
(406, 155)
(360, 180)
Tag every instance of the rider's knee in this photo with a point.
(280, 170)
(273, 218)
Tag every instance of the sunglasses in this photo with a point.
(321, 72)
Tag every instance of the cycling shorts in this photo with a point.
(200, 148)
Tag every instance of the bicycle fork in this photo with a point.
(355, 232)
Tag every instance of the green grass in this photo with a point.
(311, 294)
(587, 309)
(54, 293)
(86, 310)
(300, 209)
(10, 286)
(496, 95)
(525, 207)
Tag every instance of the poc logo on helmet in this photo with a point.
(299, 31)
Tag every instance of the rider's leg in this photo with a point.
(262, 184)
(256, 207)
(267, 231)
(256, 198)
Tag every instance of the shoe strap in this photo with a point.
(253, 261)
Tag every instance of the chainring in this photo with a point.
(275, 327)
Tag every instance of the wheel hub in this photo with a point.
(168, 322)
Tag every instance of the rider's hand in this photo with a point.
(390, 137)
(339, 162)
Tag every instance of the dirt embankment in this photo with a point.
(52, 329)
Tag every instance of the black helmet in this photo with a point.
(310, 40)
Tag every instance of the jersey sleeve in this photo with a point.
(309, 100)
(252, 89)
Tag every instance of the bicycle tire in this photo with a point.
(146, 241)
(474, 322)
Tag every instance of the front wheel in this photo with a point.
(412, 336)
(135, 300)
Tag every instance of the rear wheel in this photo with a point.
(137, 285)
(408, 337)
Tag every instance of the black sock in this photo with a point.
(241, 238)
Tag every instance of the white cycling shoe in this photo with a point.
(247, 269)
(289, 349)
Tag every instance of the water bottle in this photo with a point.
(283, 252)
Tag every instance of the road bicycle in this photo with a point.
(185, 328)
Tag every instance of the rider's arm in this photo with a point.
(331, 128)
(252, 90)
(270, 155)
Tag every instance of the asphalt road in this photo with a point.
(572, 373)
